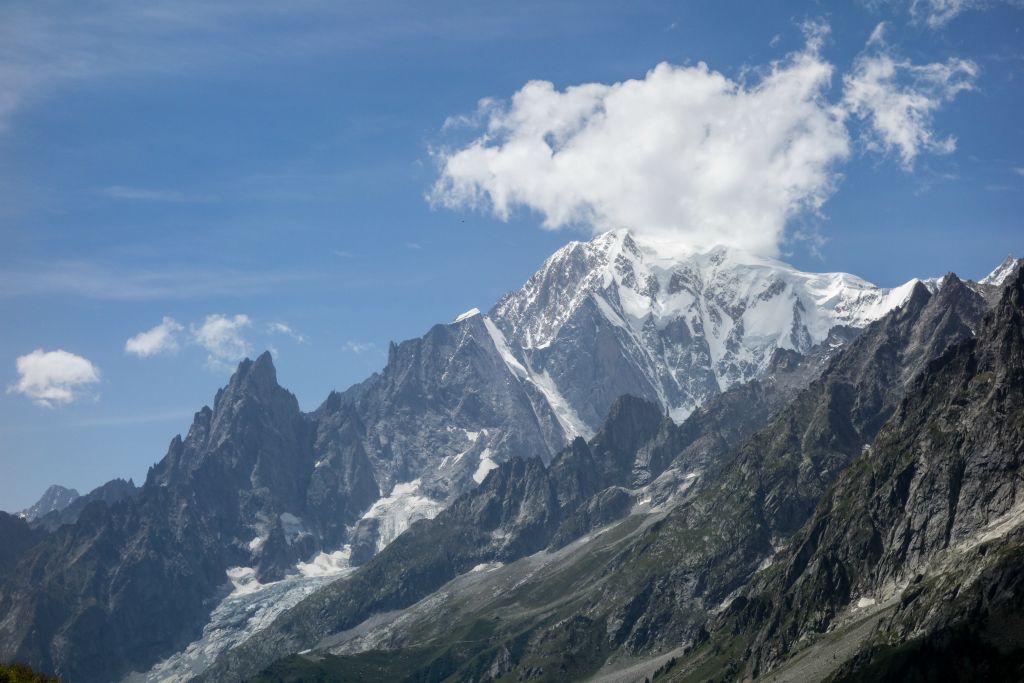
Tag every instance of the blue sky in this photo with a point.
(195, 159)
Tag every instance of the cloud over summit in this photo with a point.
(688, 156)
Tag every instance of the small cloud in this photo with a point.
(938, 13)
(775, 40)
(222, 338)
(673, 26)
(53, 377)
(878, 35)
(359, 348)
(341, 253)
(158, 340)
(142, 194)
(285, 328)
(414, 246)
(1019, 170)
(897, 99)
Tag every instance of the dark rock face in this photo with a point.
(16, 537)
(106, 494)
(946, 469)
(255, 483)
(445, 394)
(54, 499)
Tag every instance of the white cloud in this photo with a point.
(688, 156)
(683, 155)
(160, 339)
(938, 13)
(53, 377)
(222, 338)
(359, 348)
(286, 329)
(898, 99)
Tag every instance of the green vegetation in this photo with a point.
(19, 673)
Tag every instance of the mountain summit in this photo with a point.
(615, 315)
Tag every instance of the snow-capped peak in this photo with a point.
(1002, 272)
(682, 312)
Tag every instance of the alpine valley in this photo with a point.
(645, 464)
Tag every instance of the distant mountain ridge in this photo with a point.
(258, 492)
(54, 499)
(659, 545)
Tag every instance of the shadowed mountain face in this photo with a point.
(133, 579)
(924, 526)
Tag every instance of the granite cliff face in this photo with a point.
(911, 524)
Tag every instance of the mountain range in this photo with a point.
(690, 463)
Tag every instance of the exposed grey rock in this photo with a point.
(54, 499)
(105, 494)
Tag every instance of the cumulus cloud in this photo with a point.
(53, 377)
(222, 338)
(686, 155)
(160, 339)
(898, 99)
(286, 329)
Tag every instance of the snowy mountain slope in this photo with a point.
(614, 316)
(1002, 273)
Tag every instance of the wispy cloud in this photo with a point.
(286, 329)
(898, 98)
(123, 420)
(359, 348)
(94, 280)
(45, 45)
(141, 194)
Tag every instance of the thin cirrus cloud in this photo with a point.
(105, 281)
(51, 378)
(287, 330)
(936, 14)
(158, 340)
(359, 348)
(687, 156)
(142, 194)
